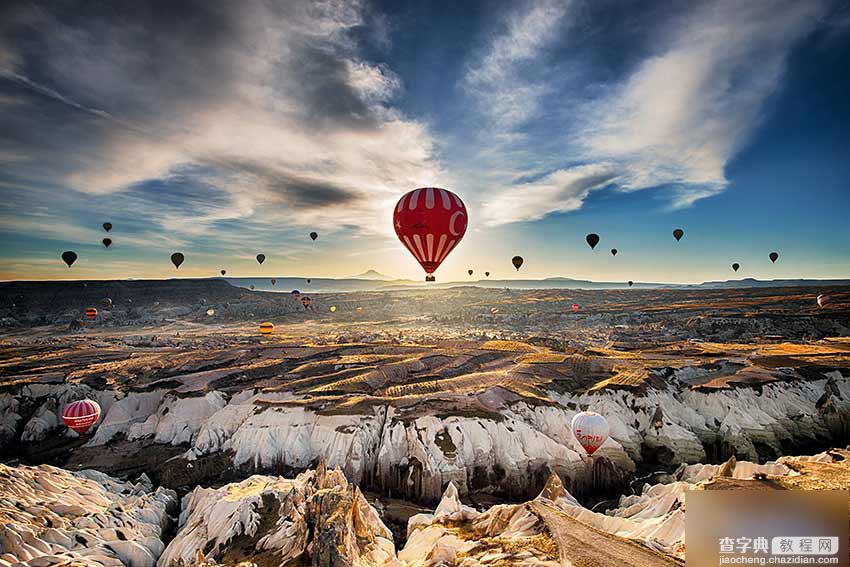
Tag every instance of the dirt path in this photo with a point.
(582, 546)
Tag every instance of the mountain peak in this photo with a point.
(371, 275)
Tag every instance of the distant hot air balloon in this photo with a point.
(106, 302)
(177, 259)
(613, 251)
(631, 283)
(430, 222)
(107, 226)
(735, 266)
(81, 415)
(592, 240)
(359, 309)
(314, 235)
(678, 234)
(333, 308)
(295, 293)
(69, 257)
(261, 258)
(274, 281)
(774, 256)
(823, 300)
(486, 274)
(223, 272)
(107, 242)
(91, 313)
(309, 280)
(575, 306)
(252, 287)
(517, 262)
(469, 272)
(210, 312)
(266, 328)
(306, 302)
(494, 310)
(590, 430)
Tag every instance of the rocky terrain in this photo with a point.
(341, 427)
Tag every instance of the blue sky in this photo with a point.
(224, 129)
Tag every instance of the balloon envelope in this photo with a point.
(107, 226)
(261, 258)
(295, 293)
(266, 328)
(774, 256)
(590, 430)
(210, 312)
(91, 313)
(107, 242)
(333, 308)
(69, 257)
(430, 222)
(487, 274)
(517, 261)
(576, 306)
(306, 301)
(274, 281)
(613, 251)
(223, 272)
(106, 302)
(177, 259)
(81, 415)
(314, 235)
(678, 234)
(631, 283)
(823, 300)
(735, 266)
(592, 240)
(469, 272)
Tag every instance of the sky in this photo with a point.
(226, 129)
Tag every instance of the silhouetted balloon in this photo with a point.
(252, 287)
(823, 300)
(487, 274)
(223, 272)
(306, 301)
(274, 281)
(735, 266)
(631, 283)
(309, 280)
(774, 256)
(261, 258)
(107, 226)
(177, 259)
(430, 222)
(592, 240)
(469, 272)
(81, 415)
(314, 235)
(678, 234)
(107, 242)
(69, 257)
(430, 279)
(613, 251)
(517, 261)
(590, 430)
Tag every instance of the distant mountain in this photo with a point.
(372, 275)
(751, 282)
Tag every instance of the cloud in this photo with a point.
(685, 111)
(562, 191)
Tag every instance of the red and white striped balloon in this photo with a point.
(430, 222)
(590, 430)
(81, 415)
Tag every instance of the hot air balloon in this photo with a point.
(631, 283)
(314, 235)
(309, 280)
(69, 257)
(678, 234)
(469, 272)
(774, 256)
(107, 226)
(274, 281)
(592, 240)
(210, 312)
(494, 310)
(252, 287)
(735, 266)
(430, 222)
(106, 302)
(91, 313)
(81, 415)
(223, 272)
(266, 328)
(177, 259)
(107, 242)
(823, 300)
(333, 308)
(590, 430)
(517, 262)
(306, 302)
(613, 251)
(295, 293)
(486, 274)
(359, 309)
(261, 258)
(575, 306)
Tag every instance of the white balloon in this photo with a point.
(823, 300)
(590, 430)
